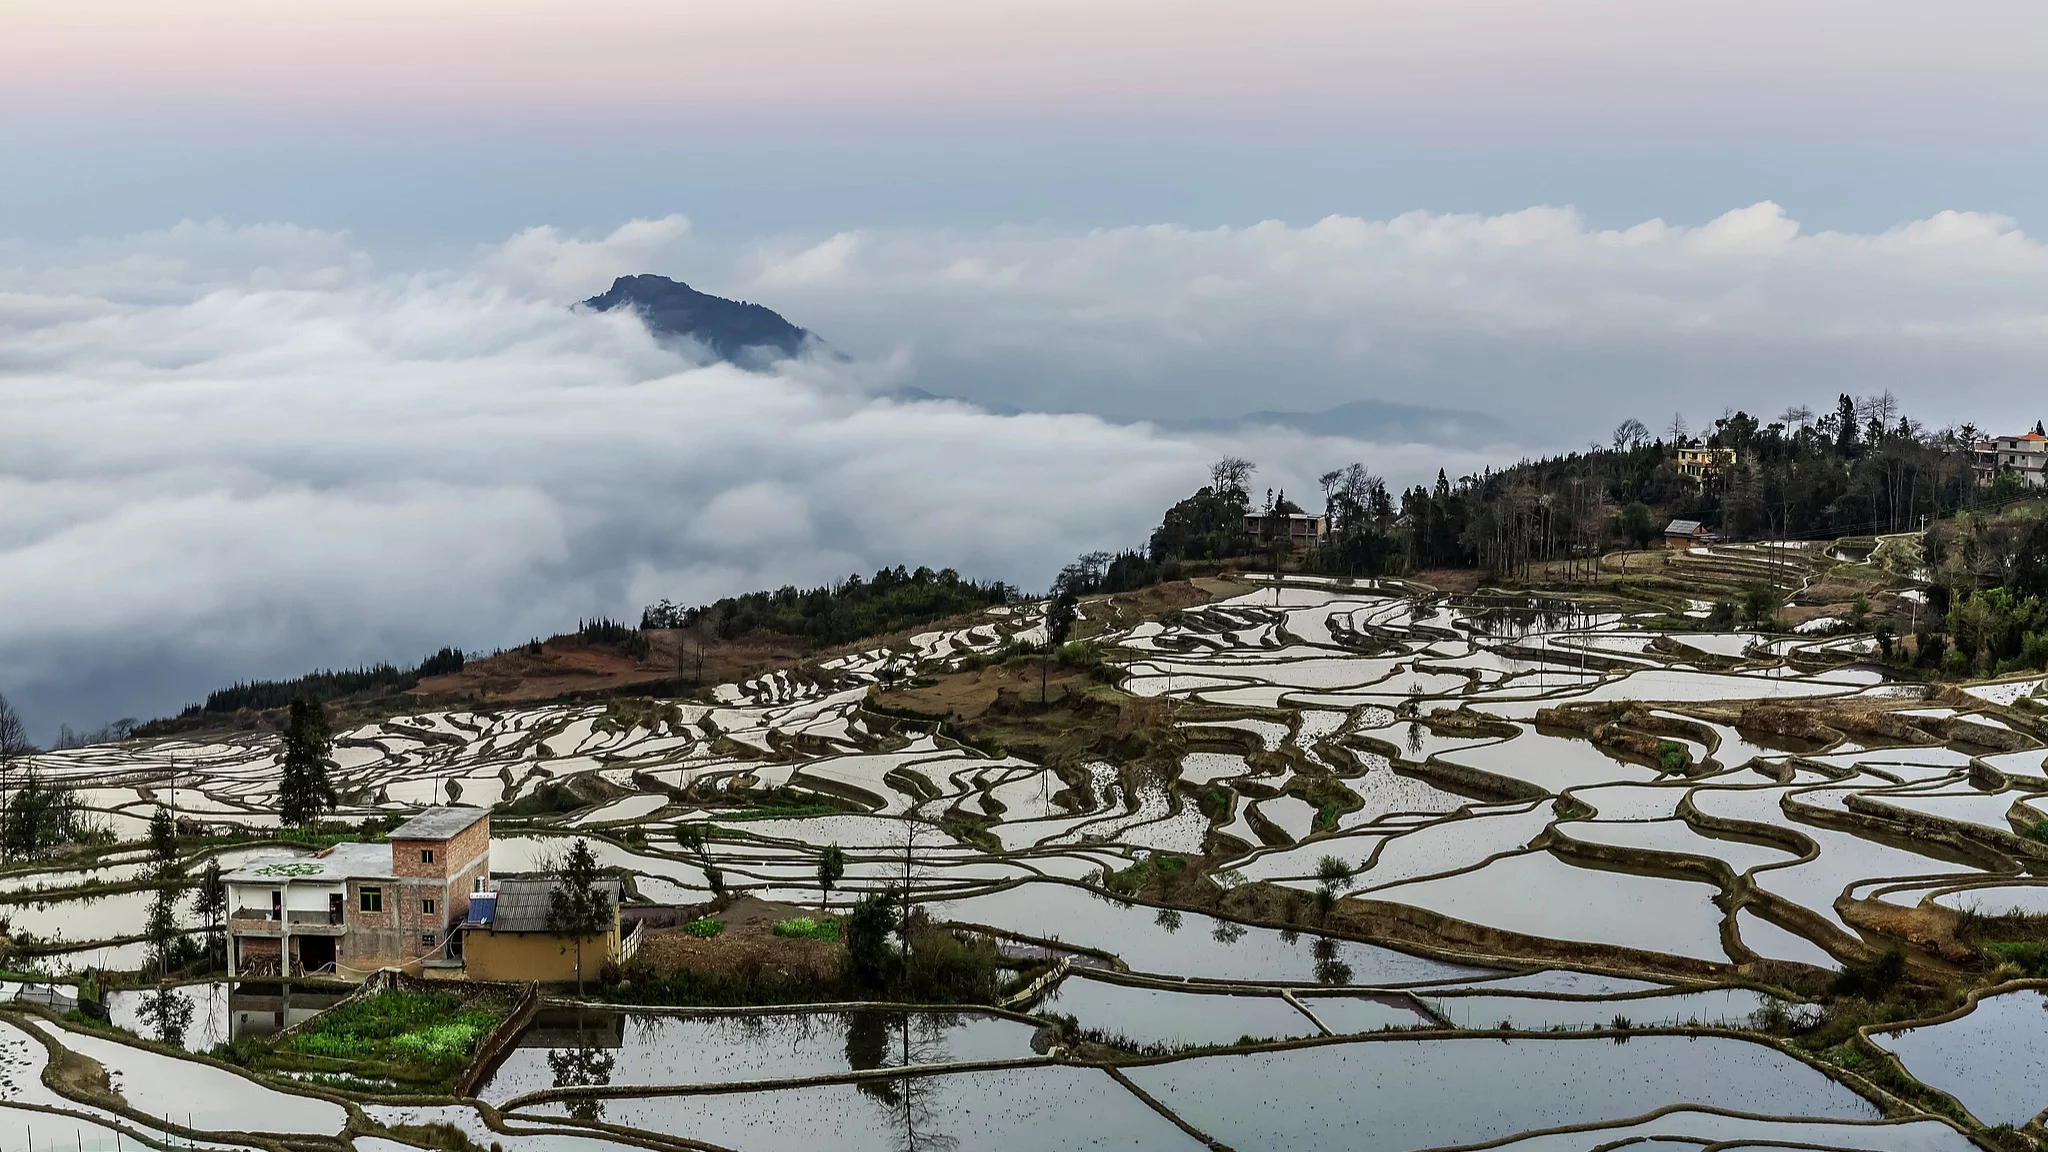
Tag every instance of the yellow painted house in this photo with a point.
(507, 937)
(1704, 464)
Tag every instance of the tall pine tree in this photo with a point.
(304, 791)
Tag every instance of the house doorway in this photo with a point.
(316, 954)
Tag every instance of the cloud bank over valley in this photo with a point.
(249, 451)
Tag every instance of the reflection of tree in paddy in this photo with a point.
(167, 1015)
(1329, 969)
(1168, 918)
(587, 1065)
(1227, 932)
(909, 1103)
(1498, 621)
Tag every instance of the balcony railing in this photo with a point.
(330, 918)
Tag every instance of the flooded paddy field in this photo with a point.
(1994, 1058)
(1396, 870)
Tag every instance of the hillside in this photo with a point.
(746, 334)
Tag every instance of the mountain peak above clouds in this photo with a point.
(749, 335)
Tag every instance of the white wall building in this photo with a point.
(2026, 456)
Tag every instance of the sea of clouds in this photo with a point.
(233, 452)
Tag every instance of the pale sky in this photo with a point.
(391, 118)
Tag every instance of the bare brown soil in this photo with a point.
(748, 943)
(1929, 927)
(1826, 722)
(1124, 609)
(82, 1078)
(1449, 579)
(970, 695)
(567, 664)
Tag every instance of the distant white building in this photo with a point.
(1303, 530)
(2025, 456)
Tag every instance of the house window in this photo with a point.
(373, 899)
(426, 855)
(426, 939)
(427, 906)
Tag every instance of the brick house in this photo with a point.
(355, 908)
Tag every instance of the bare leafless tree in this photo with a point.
(1630, 434)
(13, 744)
(1231, 474)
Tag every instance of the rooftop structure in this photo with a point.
(1683, 534)
(439, 823)
(522, 905)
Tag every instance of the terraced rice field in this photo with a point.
(1513, 899)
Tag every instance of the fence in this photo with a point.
(630, 946)
(491, 1050)
(47, 995)
(58, 1134)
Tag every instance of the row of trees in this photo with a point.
(892, 600)
(325, 686)
(1861, 468)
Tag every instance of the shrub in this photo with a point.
(870, 960)
(1871, 981)
(1672, 756)
(2027, 955)
(704, 929)
(805, 928)
(943, 967)
(1334, 871)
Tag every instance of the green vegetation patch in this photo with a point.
(412, 1038)
(705, 929)
(1160, 867)
(805, 928)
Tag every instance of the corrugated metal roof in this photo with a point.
(438, 823)
(523, 904)
(1682, 528)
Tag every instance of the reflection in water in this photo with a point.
(584, 1065)
(907, 1102)
(266, 1009)
(1227, 932)
(1168, 918)
(166, 1015)
(1329, 969)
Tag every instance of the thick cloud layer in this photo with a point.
(233, 452)
(1533, 316)
(241, 452)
